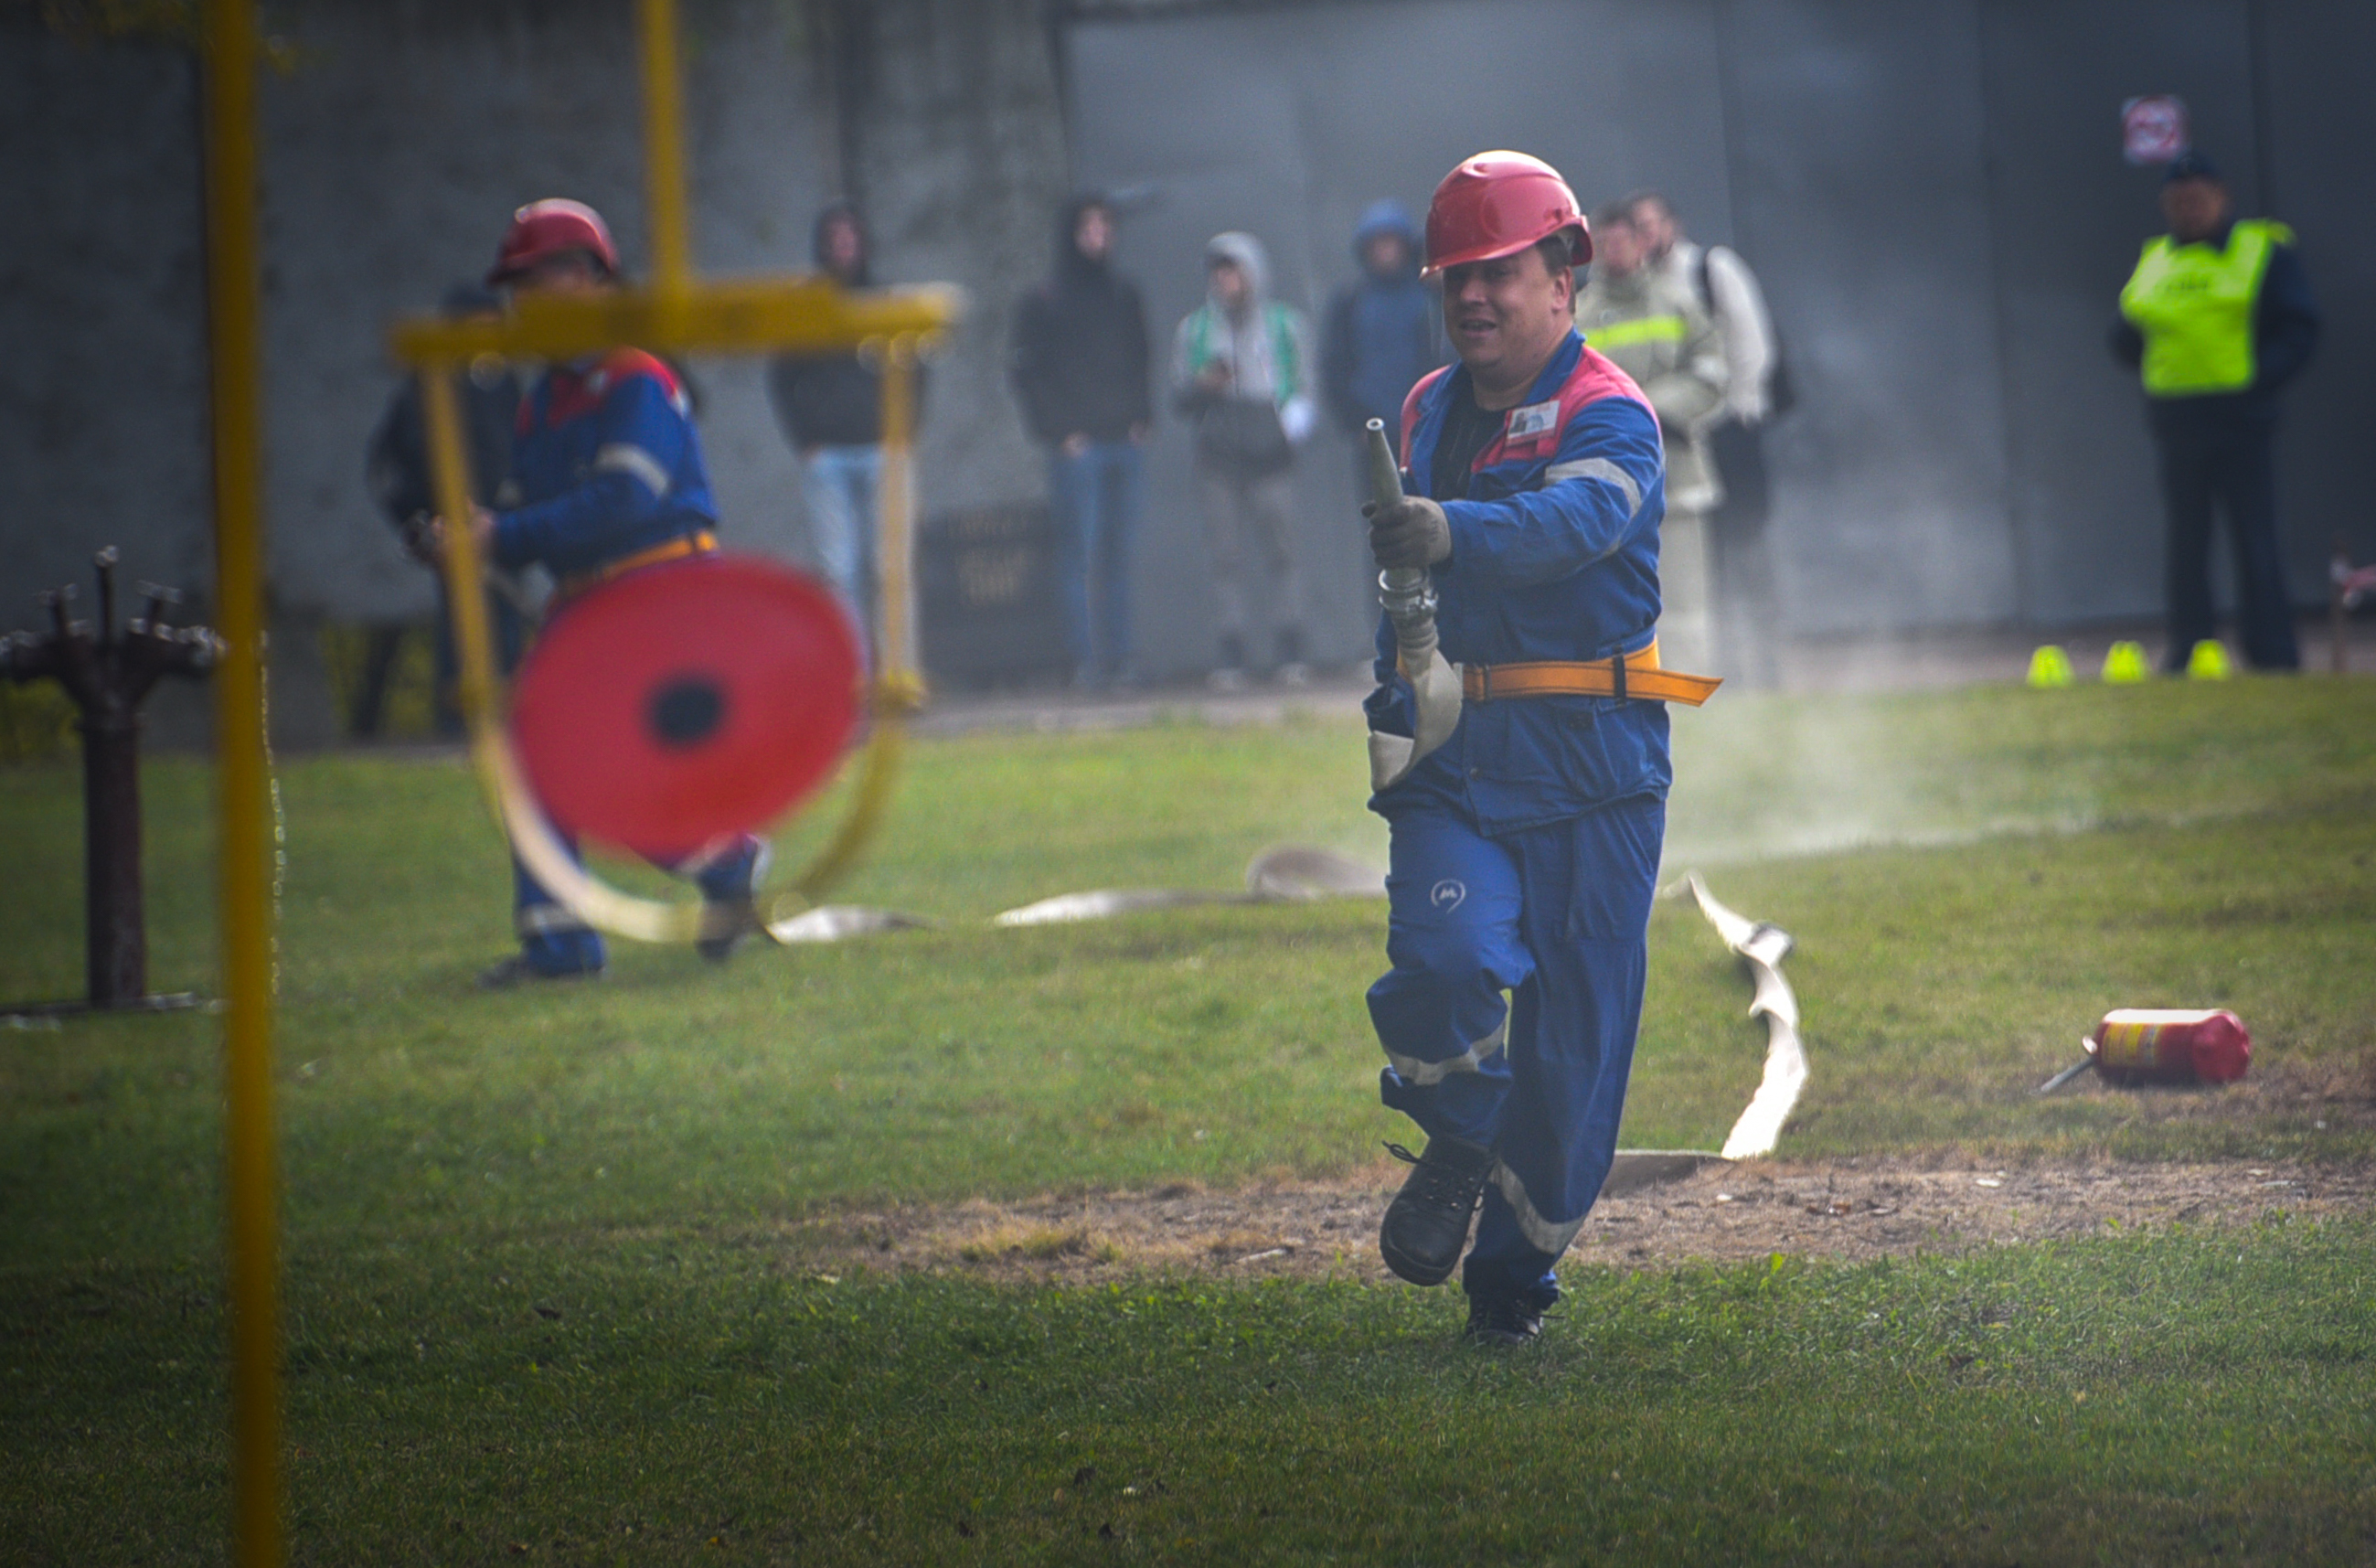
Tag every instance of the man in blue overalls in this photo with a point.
(1525, 846)
(611, 480)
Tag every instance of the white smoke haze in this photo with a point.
(1760, 776)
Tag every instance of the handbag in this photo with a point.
(1244, 435)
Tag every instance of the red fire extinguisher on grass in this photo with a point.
(2161, 1045)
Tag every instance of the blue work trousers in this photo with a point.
(1555, 917)
(1096, 498)
(555, 942)
(838, 486)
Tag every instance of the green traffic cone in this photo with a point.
(2124, 665)
(2208, 661)
(2049, 666)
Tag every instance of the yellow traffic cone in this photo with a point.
(2049, 666)
(2124, 665)
(2208, 661)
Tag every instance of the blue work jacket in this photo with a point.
(607, 464)
(1554, 556)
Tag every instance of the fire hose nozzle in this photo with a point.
(1404, 592)
(1407, 596)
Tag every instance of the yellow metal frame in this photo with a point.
(676, 312)
(251, 1175)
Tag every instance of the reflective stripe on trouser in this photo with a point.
(555, 942)
(1555, 916)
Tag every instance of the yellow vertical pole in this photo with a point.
(895, 520)
(898, 683)
(449, 478)
(664, 149)
(251, 1185)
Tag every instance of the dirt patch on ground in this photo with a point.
(1852, 1209)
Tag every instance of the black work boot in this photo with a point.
(1426, 1228)
(1504, 1322)
(727, 895)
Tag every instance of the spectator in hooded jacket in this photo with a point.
(1242, 369)
(831, 408)
(1383, 331)
(1079, 364)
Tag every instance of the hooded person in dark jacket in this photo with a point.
(831, 408)
(1383, 331)
(1079, 366)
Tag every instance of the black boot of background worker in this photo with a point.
(1426, 1228)
(1506, 1320)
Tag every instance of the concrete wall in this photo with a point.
(961, 162)
(1932, 194)
(395, 151)
(102, 381)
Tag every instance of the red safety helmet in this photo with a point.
(554, 227)
(1498, 204)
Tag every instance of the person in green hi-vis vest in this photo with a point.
(2217, 319)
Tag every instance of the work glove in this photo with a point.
(1412, 531)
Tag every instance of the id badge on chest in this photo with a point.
(1533, 421)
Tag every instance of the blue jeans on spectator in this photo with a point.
(839, 484)
(1096, 498)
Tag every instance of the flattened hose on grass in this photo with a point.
(1290, 872)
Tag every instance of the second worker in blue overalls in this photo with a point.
(611, 481)
(1524, 848)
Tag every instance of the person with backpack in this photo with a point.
(1747, 609)
(1649, 326)
(1240, 371)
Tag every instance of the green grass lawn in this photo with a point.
(1973, 878)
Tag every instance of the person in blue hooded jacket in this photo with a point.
(1381, 333)
(1525, 846)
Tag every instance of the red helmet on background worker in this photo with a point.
(555, 226)
(1498, 204)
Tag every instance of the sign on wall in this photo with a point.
(2153, 130)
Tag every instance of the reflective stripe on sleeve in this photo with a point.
(1420, 1075)
(1543, 1235)
(621, 457)
(1600, 468)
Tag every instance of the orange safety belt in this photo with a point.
(701, 543)
(1636, 676)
